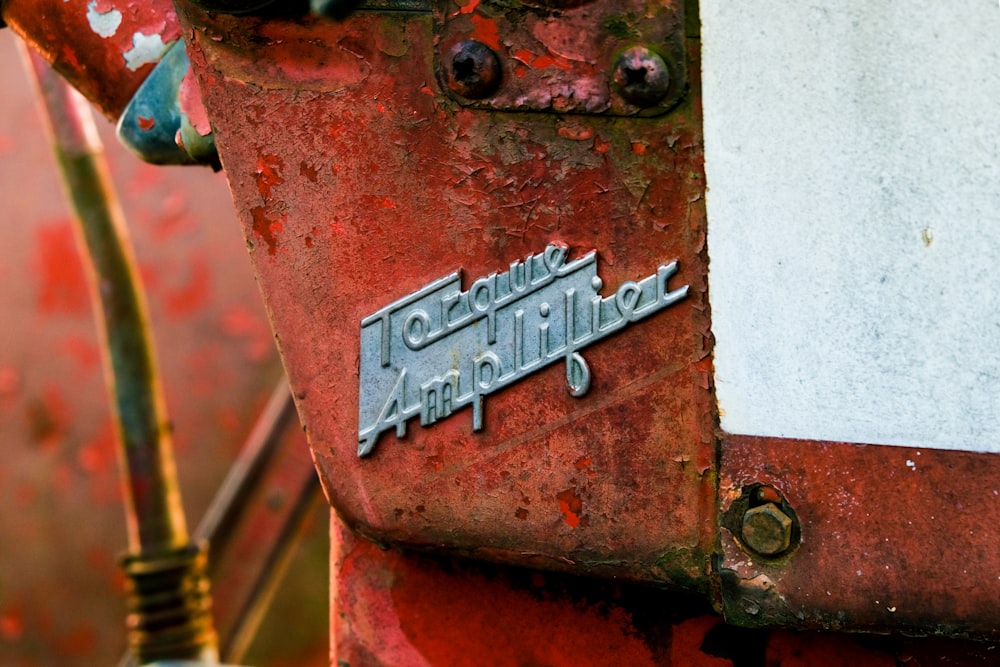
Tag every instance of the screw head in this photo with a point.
(472, 69)
(641, 76)
(767, 530)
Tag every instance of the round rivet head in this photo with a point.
(767, 530)
(472, 69)
(641, 77)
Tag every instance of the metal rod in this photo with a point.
(245, 473)
(282, 549)
(169, 600)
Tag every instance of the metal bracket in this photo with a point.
(609, 57)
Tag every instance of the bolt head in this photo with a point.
(472, 69)
(767, 530)
(641, 76)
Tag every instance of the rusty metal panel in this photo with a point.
(892, 538)
(359, 181)
(399, 608)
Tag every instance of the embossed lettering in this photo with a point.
(461, 346)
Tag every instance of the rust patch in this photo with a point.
(266, 229)
(269, 174)
(308, 171)
(571, 506)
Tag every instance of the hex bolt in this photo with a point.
(767, 530)
(641, 76)
(472, 69)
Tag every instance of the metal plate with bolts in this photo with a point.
(594, 57)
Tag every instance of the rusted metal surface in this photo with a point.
(397, 608)
(392, 608)
(625, 57)
(358, 181)
(105, 48)
(892, 538)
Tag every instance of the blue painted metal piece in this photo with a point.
(154, 127)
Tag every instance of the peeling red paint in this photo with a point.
(444, 188)
(486, 31)
(266, 229)
(571, 507)
(189, 98)
(268, 174)
(576, 133)
(94, 64)
(308, 171)
(468, 7)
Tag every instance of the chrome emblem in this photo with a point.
(440, 349)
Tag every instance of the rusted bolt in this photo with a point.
(767, 530)
(472, 69)
(641, 76)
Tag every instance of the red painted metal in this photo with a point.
(105, 48)
(358, 181)
(398, 608)
(892, 537)
(564, 61)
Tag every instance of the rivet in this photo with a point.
(641, 76)
(472, 69)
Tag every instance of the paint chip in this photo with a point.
(104, 24)
(145, 49)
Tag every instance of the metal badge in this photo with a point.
(440, 349)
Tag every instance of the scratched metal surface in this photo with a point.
(892, 538)
(105, 48)
(358, 181)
